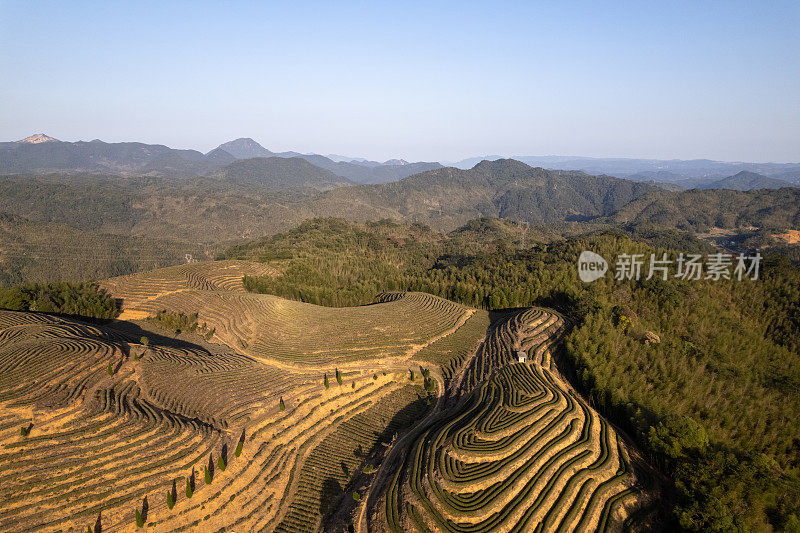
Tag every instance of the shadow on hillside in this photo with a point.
(133, 333)
(337, 511)
(331, 492)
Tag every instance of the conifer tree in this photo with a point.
(239, 446)
(281, 405)
(327, 385)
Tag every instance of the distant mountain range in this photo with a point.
(254, 197)
(42, 154)
(742, 181)
(657, 170)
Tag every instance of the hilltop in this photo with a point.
(38, 138)
(280, 173)
(745, 181)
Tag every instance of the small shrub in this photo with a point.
(354, 385)
(369, 469)
(175, 322)
(357, 496)
(145, 341)
(374, 376)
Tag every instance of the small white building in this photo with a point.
(522, 357)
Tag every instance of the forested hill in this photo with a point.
(699, 210)
(280, 173)
(448, 197)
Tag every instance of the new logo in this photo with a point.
(591, 266)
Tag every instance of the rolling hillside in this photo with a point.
(265, 413)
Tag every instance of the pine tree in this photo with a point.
(221, 464)
(238, 450)
(208, 476)
(189, 490)
(139, 519)
(170, 501)
(281, 405)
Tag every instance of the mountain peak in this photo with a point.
(37, 139)
(245, 148)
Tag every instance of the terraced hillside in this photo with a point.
(300, 334)
(207, 275)
(294, 417)
(519, 451)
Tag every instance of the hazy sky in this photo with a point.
(418, 80)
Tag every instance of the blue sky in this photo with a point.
(418, 80)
